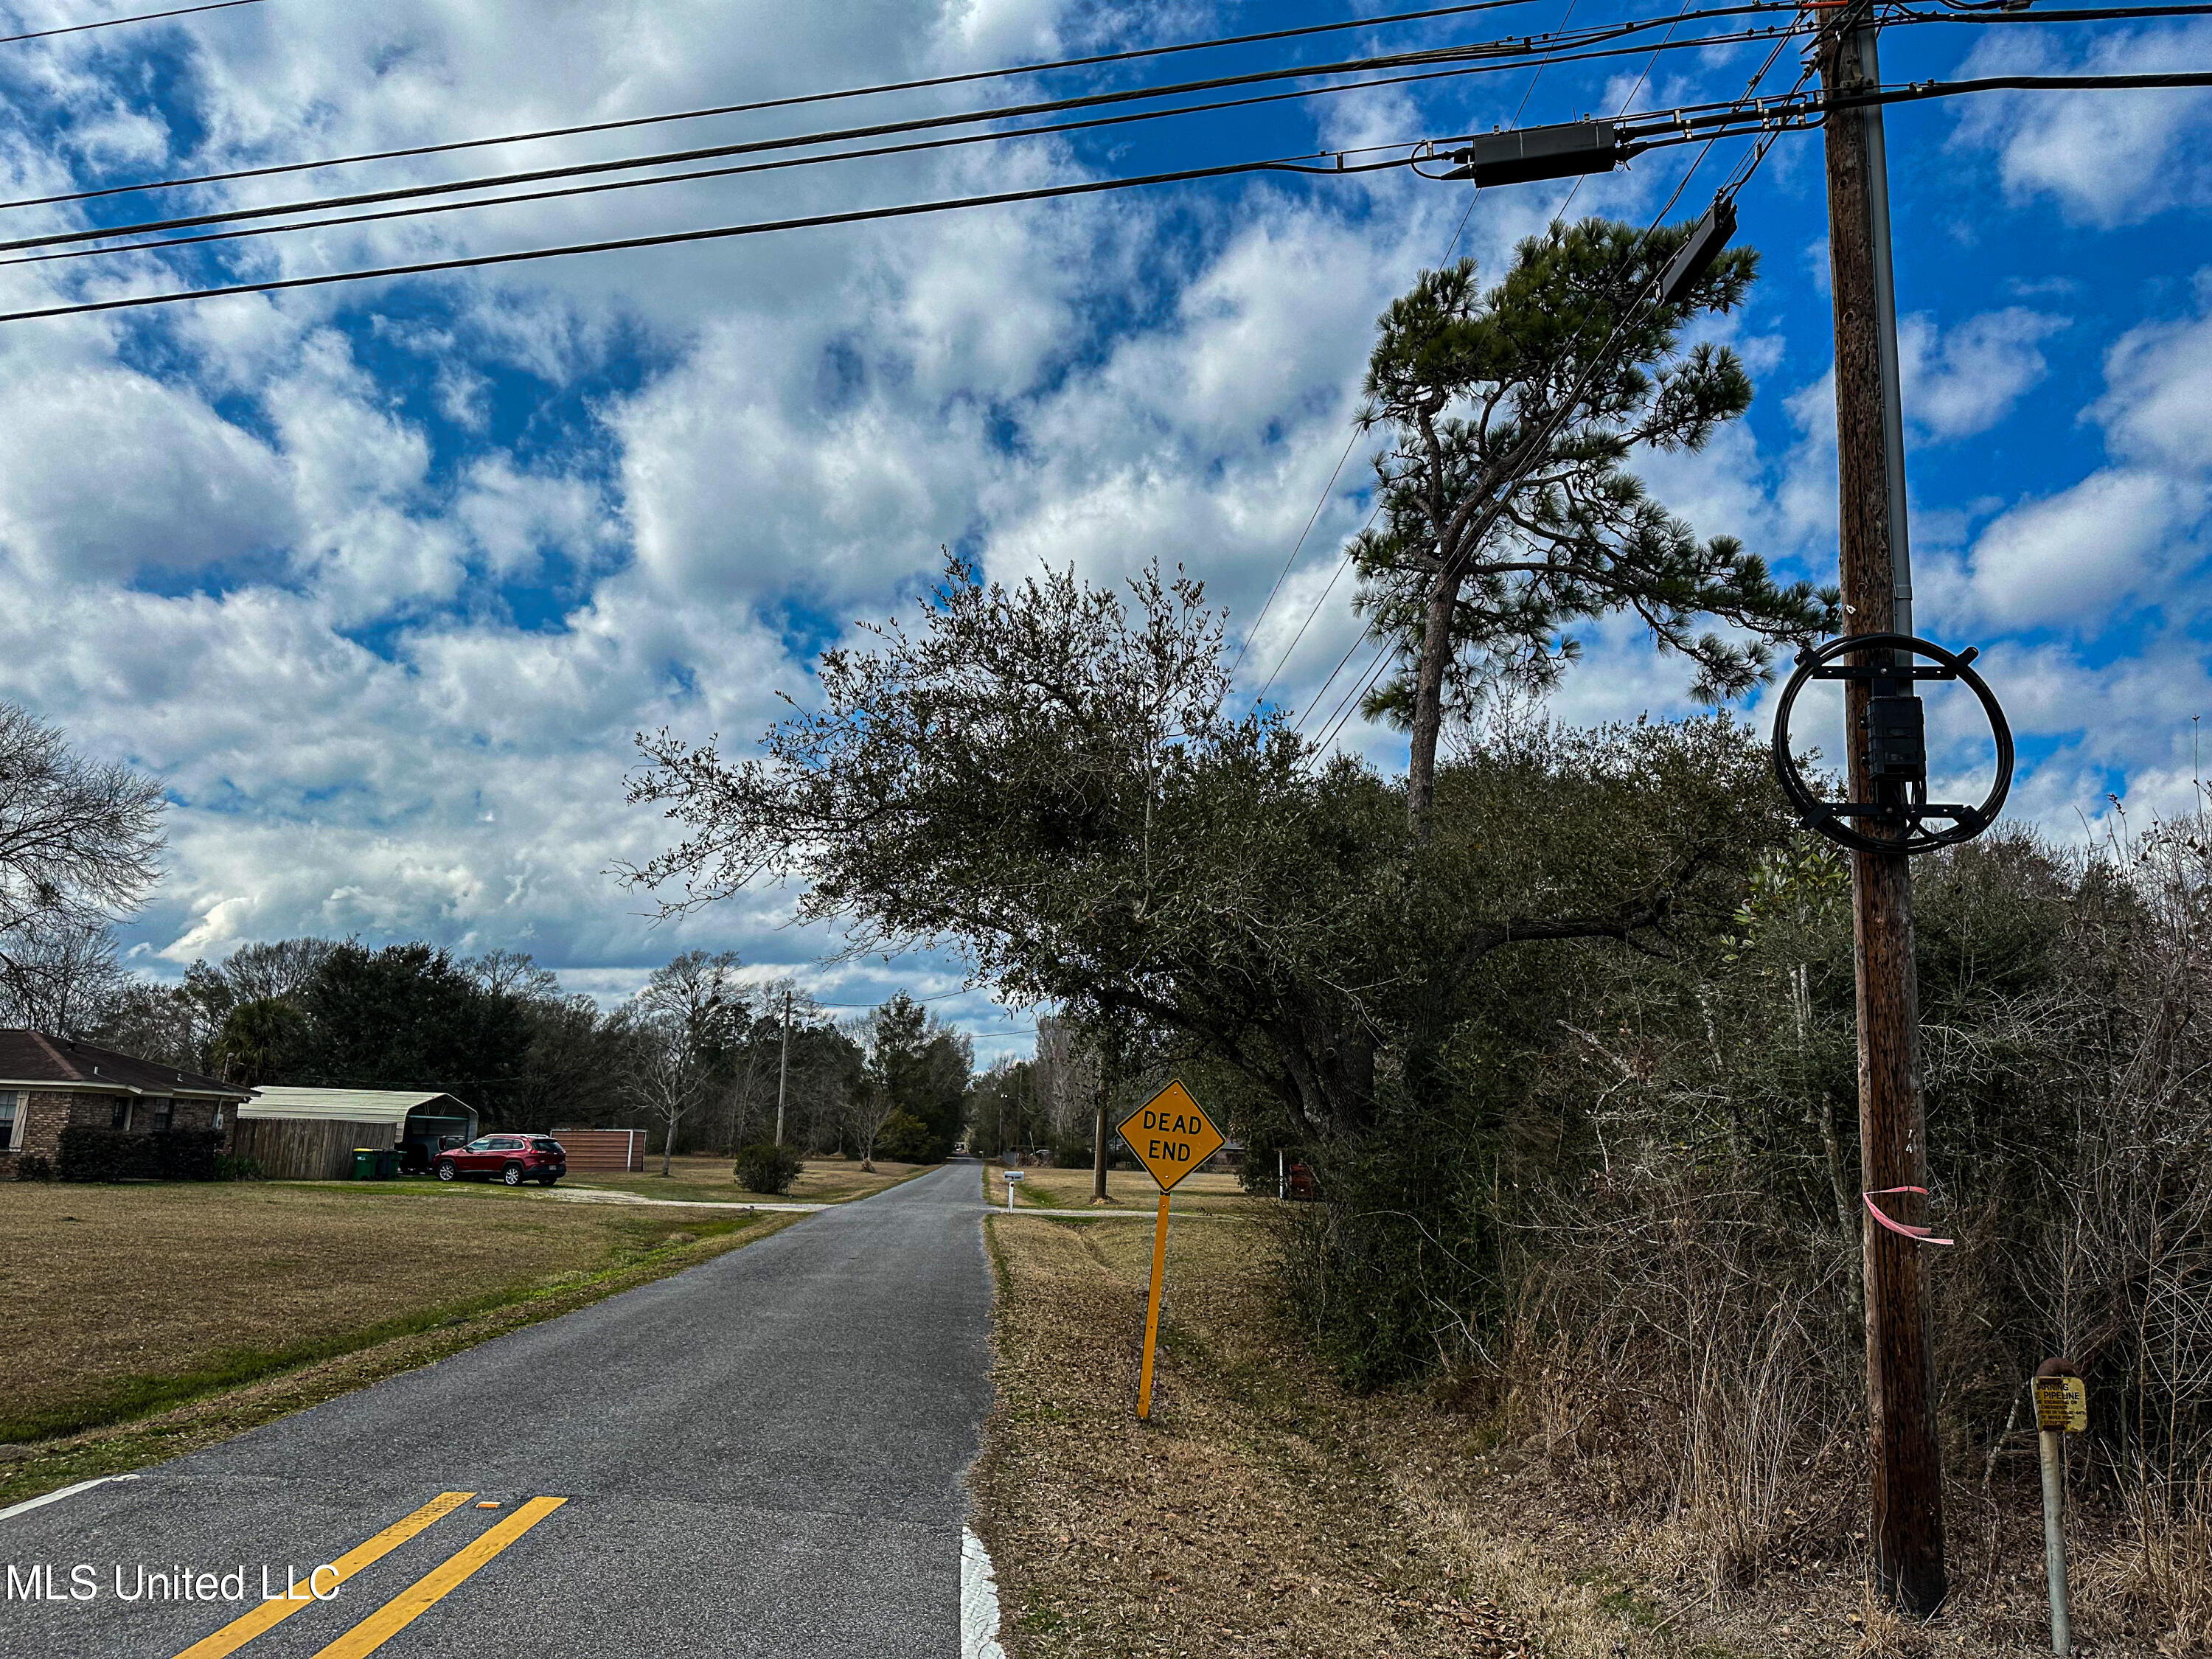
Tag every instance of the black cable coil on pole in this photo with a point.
(1896, 747)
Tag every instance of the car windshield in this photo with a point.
(547, 1145)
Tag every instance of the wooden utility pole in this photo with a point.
(783, 1068)
(1906, 1474)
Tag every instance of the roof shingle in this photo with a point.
(33, 1058)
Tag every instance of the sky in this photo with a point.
(380, 580)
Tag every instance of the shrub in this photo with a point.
(905, 1138)
(228, 1168)
(33, 1166)
(92, 1154)
(767, 1168)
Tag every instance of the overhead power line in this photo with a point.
(586, 169)
(1800, 111)
(631, 121)
(118, 22)
(1663, 128)
(1299, 164)
(1440, 61)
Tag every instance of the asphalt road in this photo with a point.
(760, 1457)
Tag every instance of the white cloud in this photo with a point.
(2077, 558)
(1964, 380)
(2157, 409)
(2109, 157)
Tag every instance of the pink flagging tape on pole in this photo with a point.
(1902, 1229)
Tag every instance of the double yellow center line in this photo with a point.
(403, 1609)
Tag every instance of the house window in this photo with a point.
(10, 1106)
(118, 1115)
(165, 1112)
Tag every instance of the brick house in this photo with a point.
(48, 1083)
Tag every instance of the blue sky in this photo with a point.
(381, 578)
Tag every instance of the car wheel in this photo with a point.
(511, 1175)
(547, 1181)
(445, 1169)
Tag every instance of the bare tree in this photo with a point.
(514, 974)
(62, 978)
(685, 1022)
(80, 843)
(868, 1108)
(670, 1074)
(1067, 1077)
(276, 968)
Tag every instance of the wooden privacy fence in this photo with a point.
(603, 1149)
(305, 1148)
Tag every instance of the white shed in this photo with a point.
(310, 1134)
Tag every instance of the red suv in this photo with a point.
(511, 1158)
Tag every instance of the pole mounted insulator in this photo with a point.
(1896, 747)
(1528, 154)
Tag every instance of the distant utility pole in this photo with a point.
(1906, 1472)
(783, 1068)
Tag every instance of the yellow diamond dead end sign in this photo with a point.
(1170, 1135)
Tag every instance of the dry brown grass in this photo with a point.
(106, 1291)
(1255, 1515)
(204, 1419)
(1268, 1511)
(1070, 1189)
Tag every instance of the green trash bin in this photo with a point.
(364, 1163)
(387, 1164)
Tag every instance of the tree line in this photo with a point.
(700, 1055)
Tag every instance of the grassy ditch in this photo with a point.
(140, 1321)
(1260, 1513)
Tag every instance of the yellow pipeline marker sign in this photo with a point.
(1171, 1137)
(2062, 1403)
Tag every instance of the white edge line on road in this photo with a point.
(30, 1503)
(979, 1600)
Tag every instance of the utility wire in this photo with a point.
(410, 194)
(629, 123)
(1299, 164)
(1322, 690)
(1465, 56)
(1312, 518)
(1801, 112)
(118, 22)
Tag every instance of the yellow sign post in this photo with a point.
(2062, 1407)
(1171, 1137)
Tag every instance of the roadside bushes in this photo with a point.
(33, 1167)
(228, 1168)
(767, 1168)
(905, 1138)
(95, 1154)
